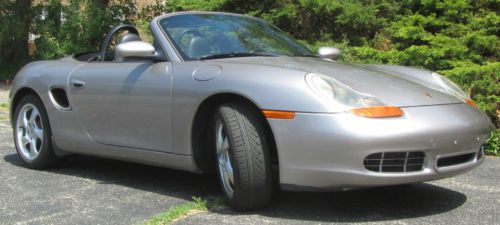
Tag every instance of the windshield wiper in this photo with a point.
(233, 54)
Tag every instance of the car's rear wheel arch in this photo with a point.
(202, 148)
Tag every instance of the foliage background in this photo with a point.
(457, 38)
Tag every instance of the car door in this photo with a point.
(125, 104)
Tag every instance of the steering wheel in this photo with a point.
(193, 31)
(111, 33)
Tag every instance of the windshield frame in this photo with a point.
(183, 57)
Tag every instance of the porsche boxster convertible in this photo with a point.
(234, 95)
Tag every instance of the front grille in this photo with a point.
(455, 160)
(395, 162)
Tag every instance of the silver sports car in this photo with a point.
(235, 95)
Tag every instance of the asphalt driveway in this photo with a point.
(89, 190)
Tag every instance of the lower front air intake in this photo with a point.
(395, 162)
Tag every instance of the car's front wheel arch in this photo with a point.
(200, 130)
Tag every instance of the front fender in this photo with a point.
(269, 88)
(39, 77)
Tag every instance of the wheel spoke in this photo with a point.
(25, 119)
(219, 144)
(34, 115)
(25, 140)
(227, 181)
(33, 150)
(225, 144)
(221, 160)
(38, 133)
(218, 141)
(229, 171)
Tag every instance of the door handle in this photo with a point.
(78, 83)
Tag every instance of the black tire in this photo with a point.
(249, 154)
(46, 157)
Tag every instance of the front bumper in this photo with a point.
(326, 151)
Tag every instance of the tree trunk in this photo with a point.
(102, 2)
(21, 32)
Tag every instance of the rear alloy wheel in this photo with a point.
(242, 156)
(32, 133)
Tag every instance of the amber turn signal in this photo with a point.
(378, 112)
(470, 102)
(273, 114)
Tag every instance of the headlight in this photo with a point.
(335, 92)
(452, 88)
(449, 86)
(345, 98)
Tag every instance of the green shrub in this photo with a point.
(493, 144)
(84, 27)
(482, 83)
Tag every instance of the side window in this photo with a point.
(217, 41)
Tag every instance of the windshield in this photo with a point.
(209, 36)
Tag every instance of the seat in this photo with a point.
(198, 46)
(126, 38)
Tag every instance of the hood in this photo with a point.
(393, 87)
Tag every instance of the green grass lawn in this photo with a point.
(175, 213)
(4, 105)
(4, 112)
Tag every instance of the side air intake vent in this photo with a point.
(59, 98)
(455, 160)
(395, 162)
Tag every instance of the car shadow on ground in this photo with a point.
(159, 180)
(369, 205)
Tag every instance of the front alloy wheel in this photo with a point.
(242, 156)
(29, 131)
(32, 133)
(224, 163)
